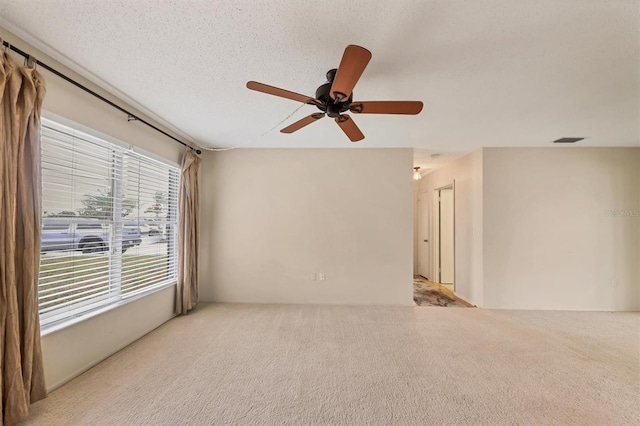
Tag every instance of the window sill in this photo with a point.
(68, 322)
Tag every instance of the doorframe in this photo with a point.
(423, 209)
(436, 234)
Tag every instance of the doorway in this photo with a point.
(435, 243)
(445, 237)
(435, 234)
(423, 230)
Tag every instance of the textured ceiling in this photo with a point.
(490, 73)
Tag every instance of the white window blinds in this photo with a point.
(109, 224)
(150, 203)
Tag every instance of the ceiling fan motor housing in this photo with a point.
(329, 105)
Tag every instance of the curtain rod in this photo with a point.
(130, 116)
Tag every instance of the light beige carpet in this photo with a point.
(344, 365)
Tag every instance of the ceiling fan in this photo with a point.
(335, 97)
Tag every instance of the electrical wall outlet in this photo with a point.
(321, 276)
(313, 277)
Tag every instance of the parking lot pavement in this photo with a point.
(153, 245)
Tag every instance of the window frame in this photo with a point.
(57, 319)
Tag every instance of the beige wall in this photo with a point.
(549, 241)
(72, 350)
(274, 217)
(546, 228)
(466, 175)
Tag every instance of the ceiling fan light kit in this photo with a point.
(335, 97)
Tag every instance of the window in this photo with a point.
(109, 224)
(54, 226)
(89, 226)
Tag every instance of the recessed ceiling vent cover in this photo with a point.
(567, 140)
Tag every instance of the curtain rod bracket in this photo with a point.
(132, 118)
(30, 61)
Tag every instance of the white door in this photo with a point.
(423, 237)
(446, 236)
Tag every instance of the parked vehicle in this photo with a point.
(87, 235)
(147, 226)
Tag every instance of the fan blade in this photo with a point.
(301, 123)
(349, 127)
(270, 90)
(354, 61)
(387, 107)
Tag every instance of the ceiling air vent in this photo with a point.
(567, 140)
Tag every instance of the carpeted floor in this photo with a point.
(346, 365)
(426, 293)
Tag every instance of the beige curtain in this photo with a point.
(21, 371)
(189, 201)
